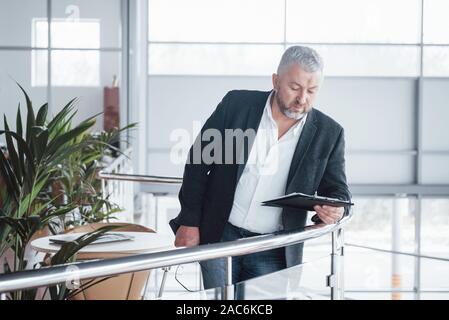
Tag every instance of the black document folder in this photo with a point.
(305, 201)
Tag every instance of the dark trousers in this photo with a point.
(243, 267)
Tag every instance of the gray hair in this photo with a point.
(306, 57)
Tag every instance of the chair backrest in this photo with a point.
(121, 226)
(126, 286)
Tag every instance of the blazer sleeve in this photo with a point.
(196, 173)
(333, 183)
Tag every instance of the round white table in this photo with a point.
(123, 286)
(142, 242)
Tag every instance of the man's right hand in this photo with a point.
(187, 236)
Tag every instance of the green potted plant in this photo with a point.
(75, 181)
(48, 167)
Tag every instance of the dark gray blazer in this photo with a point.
(318, 164)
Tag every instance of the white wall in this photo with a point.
(15, 20)
(176, 102)
(15, 66)
(436, 131)
(377, 115)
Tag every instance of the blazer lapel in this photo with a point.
(253, 121)
(308, 132)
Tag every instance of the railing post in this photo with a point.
(164, 278)
(342, 263)
(153, 260)
(334, 280)
(229, 288)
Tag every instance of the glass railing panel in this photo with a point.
(286, 284)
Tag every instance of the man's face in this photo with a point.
(295, 90)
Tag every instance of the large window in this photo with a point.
(356, 38)
(79, 56)
(387, 68)
(386, 80)
(74, 68)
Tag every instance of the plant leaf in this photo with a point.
(19, 121)
(69, 249)
(9, 177)
(25, 204)
(20, 134)
(42, 115)
(87, 285)
(40, 135)
(31, 120)
(13, 156)
(55, 144)
(24, 148)
(61, 115)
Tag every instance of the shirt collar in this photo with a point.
(267, 111)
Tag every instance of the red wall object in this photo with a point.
(111, 108)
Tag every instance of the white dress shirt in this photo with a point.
(265, 175)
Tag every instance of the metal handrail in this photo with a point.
(388, 290)
(139, 178)
(397, 252)
(124, 155)
(101, 268)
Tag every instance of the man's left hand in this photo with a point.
(329, 214)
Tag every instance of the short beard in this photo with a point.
(286, 112)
